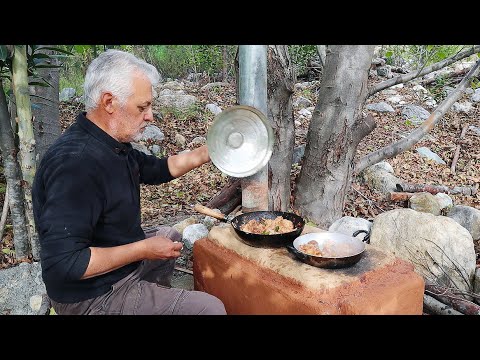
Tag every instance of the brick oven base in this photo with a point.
(272, 281)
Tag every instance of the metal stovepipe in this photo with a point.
(252, 90)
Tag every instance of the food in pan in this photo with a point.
(268, 226)
(311, 248)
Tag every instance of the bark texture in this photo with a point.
(14, 180)
(280, 81)
(333, 135)
(45, 108)
(26, 139)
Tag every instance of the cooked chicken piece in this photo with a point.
(268, 226)
(311, 248)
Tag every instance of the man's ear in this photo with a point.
(108, 102)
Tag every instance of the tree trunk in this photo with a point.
(335, 130)
(322, 53)
(26, 138)
(45, 108)
(225, 63)
(280, 81)
(14, 180)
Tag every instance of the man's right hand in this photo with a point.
(160, 247)
(104, 260)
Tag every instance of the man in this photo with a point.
(86, 201)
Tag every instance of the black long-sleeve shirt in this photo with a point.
(86, 193)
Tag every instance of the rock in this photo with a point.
(152, 132)
(425, 202)
(468, 217)
(21, 289)
(380, 107)
(213, 108)
(476, 96)
(380, 177)
(438, 247)
(177, 101)
(444, 201)
(66, 94)
(180, 140)
(395, 99)
(193, 233)
(156, 150)
(302, 103)
(429, 154)
(463, 107)
(184, 223)
(416, 114)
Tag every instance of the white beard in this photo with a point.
(137, 137)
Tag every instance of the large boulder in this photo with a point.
(440, 249)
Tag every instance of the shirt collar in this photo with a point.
(98, 133)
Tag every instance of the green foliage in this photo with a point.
(177, 61)
(475, 83)
(3, 188)
(418, 55)
(74, 67)
(301, 55)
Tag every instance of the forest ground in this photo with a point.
(174, 201)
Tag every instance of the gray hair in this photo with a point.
(112, 71)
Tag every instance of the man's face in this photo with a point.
(135, 115)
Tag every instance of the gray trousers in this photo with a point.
(147, 291)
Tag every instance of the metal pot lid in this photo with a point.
(240, 141)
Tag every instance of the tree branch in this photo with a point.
(416, 135)
(414, 74)
(457, 150)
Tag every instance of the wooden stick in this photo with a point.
(434, 306)
(183, 270)
(399, 196)
(230, 190)
(457, 150)
(446, 296)
(434, 189)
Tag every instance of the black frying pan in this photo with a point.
(340, 250)
(259, 240)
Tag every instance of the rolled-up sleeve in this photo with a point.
(65, 223)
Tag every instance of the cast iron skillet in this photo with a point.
(259, 240)
(343, 250)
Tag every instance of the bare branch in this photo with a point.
(416, 135)
(436, 307)
(457, 150)
(423, 71)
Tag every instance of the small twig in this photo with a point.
(369, 201)
(457, 150)
(184, 270)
